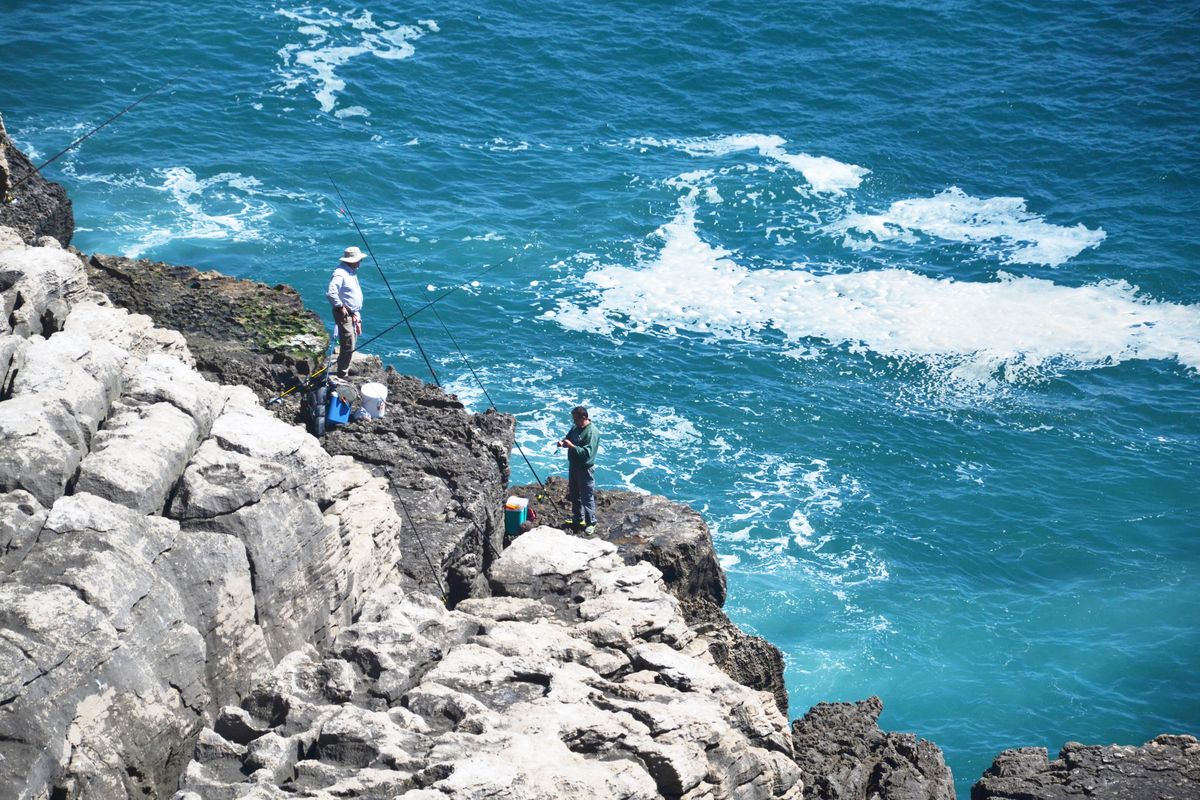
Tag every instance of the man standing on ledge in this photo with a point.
(345, 295)
(582, 443)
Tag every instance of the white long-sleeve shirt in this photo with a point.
(344, 289)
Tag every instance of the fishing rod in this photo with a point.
(404, 319)
(391, 327)
(386, 282)
(492, 404)
(92, 132)
(421, 542)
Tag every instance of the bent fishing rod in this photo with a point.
(405, 319)
(386, 282)
(393, 326)
(492, 404)
(36, 170)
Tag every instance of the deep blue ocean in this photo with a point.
(904, 297)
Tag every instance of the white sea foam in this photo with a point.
(824, 175)
(227, 206)
(1002, 225)
(1012, 328)
(334, 39)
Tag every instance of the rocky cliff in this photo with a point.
(191, 584)
(198, 599)
(29, 204)
(164, 540)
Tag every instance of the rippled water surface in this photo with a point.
(904, 297)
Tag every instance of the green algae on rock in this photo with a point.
(239, 331)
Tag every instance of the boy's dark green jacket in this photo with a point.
(586, 441)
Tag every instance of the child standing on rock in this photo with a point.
(582, 443)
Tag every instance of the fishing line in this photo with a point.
(421, 543)
(386, 282)
(93, 131)
(492, 404)
(405, 319)
(359, 346)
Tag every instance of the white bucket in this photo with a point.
(374, 399)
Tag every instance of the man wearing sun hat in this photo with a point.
(345, 295)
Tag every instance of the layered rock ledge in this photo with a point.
(171, 550)
(580, 678)
(198, 599)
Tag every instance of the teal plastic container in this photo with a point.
(515, 517)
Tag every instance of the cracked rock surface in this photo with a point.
(1164, 768)
(163, 540)
(844, 755)
(580, 678)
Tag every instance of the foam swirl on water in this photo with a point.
(825, 175)
(1001, 224)
(333, 40)
(1014, 328)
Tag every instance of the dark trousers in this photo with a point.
(581, 491)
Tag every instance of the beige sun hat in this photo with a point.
(353, 255)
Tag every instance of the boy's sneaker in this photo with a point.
(571, 524)
(590, 530)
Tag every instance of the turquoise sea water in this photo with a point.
(904, 297)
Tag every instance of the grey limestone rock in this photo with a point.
(41, 446)
(149, 347)
(21, 518)
(37, 287)
(845, 756)
(1164, 768)
(675, 539)
(83, 373)
(138, 456)
(122, 633)
(320, 534)
(515, 696)
(103, 675)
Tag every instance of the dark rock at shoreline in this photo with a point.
(240, 332)
(1165, 768)
(447, 468)
(675, 539)
(845, 756)
(669, 535)
(30, 204)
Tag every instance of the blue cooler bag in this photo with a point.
(339, 409)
